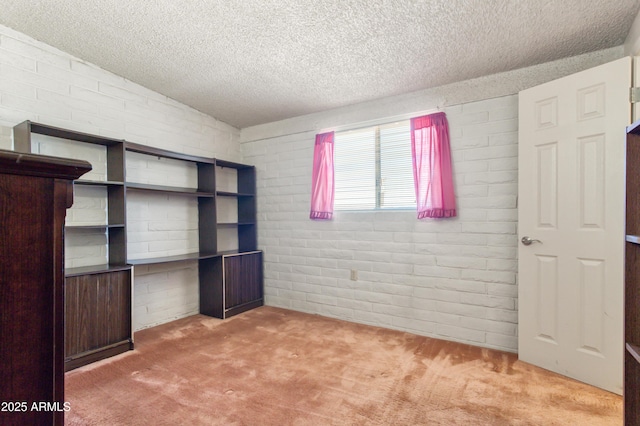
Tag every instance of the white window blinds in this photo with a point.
(373, 168)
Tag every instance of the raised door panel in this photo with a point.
(546, 295)
(547, 185)
(591, 182)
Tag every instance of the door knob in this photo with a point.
(527, 241)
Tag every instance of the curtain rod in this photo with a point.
(380, 121)
(361, 124)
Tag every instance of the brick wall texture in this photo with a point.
(452, 279)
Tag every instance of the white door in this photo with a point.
(571, 199)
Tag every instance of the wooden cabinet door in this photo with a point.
(243, 281)
(97, 313)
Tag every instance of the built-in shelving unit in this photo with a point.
(99, 295)
(97, 324)
(203, 192)
(237, 279)
(632, 280)
(238, 185)
(113, 171)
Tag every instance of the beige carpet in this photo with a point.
(272, 366)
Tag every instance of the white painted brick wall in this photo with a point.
(307, 264)
(158, 299)
(43, 84)
(148, 169)
(6, 141)
(453, 279)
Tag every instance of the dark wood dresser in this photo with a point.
(35, 192)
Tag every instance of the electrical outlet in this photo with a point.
(354, 275)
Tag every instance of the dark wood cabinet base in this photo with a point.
(88, 357)
(234, 284)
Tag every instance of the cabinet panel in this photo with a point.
(97, 316)
(211, 287)
(233, 279)
(632, 384)
(231, 284)
(243, 282)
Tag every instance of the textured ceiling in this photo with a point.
(248, 62)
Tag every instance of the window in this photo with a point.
(373, 168)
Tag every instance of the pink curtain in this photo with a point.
(322, 185)
(432, 166)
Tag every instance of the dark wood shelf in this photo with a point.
(634, 351)
(237, 252)
(96, 227)
(98, 182)
(634, 239)
(157, 152)
(233, 194)
(232, 165)
(25, 128)
(227, 225)
(234, 224)
(188, 256)
(193, 192)
(95, 269)
(175, 258)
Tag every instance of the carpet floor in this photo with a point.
(272, 366)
